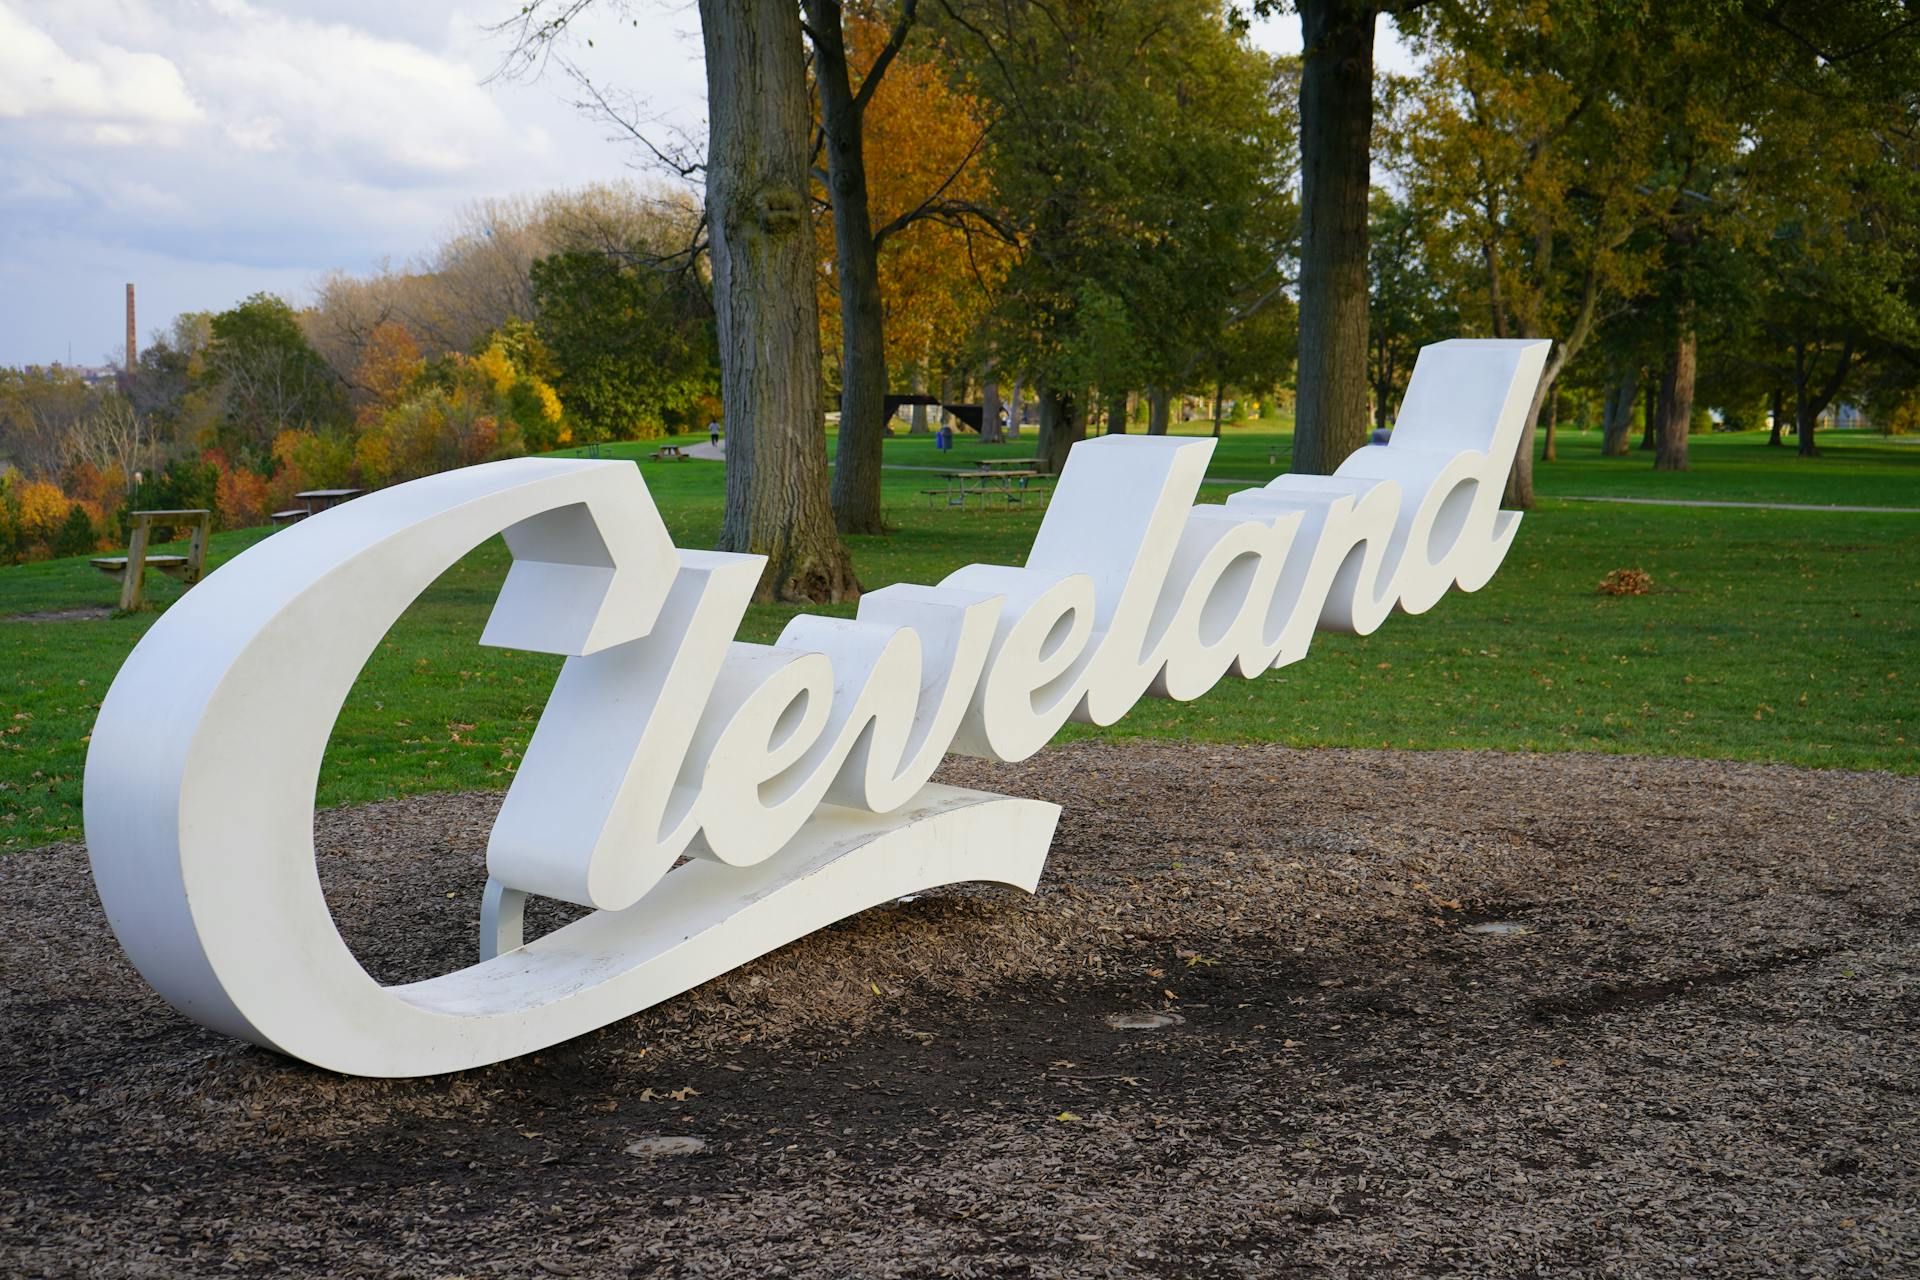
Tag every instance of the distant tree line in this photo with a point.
(1099, 209)
(571, 319)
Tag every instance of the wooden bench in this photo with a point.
(292, 515)
(131, 568)
(669, 453)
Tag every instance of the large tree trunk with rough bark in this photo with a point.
(1779, 406)
(763, 267)
(1549, 452)
(1015, 408)
(1618, 418)
(1336, 127)
(990, 410)
(1159, 399)
(863, 363)
(1676, 403)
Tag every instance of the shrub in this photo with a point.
(43, 509)
(242, 498)
(187, 484)
(77, 534)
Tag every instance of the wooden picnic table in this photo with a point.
(1016, 464)
(319, 500)
(983, 483)
(131, 568)
(669, 453)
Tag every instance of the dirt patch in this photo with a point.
(84, 613)
(1253, 1024)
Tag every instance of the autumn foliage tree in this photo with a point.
(938, 268)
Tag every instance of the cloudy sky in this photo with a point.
(207, 149)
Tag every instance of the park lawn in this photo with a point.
(1770, 635)
(1855, 468)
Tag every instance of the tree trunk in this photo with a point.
(947, 397)
(768, 318)
(1336, 127)
(1619, 415)
(863, 364)
(1809, 403)
(1219, 390)
(1061, 426)
(1676, 404)
(1519, 490)
(1158, 403)
(1650, 410)
(1117, 414)
(1547, 452)
(1383, 384)
(919, 427)
(990, 410)
(1779, 414)
(1014, 410)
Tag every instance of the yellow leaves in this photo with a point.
(920, 138)
(389, 362)
(497, 365)
(42, 508)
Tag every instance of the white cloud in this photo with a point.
(353, 99)
(208, 148)
(125, 96)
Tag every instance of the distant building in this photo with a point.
(94, 375)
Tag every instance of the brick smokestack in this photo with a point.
(132, 350)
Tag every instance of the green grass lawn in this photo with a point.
(1772, 635)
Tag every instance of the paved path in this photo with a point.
(1758, 506)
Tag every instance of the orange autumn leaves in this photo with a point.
(918, 132)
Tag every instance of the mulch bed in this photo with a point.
(1273, 1012)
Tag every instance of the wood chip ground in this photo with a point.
(1424, 1014)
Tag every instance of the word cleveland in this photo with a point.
(796, 774)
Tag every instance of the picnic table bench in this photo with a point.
(131, 568)
(1012, 464)
(984, 483)
(669, 453)
(319, 500)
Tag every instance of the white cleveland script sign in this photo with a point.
(796, 773)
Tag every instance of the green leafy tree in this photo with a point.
(76, 536)
(269, 377)
(632, 344)
(1140, 161)
(1411, 303)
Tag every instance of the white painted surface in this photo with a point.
(795, 773)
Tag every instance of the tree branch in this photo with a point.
(895, 39)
